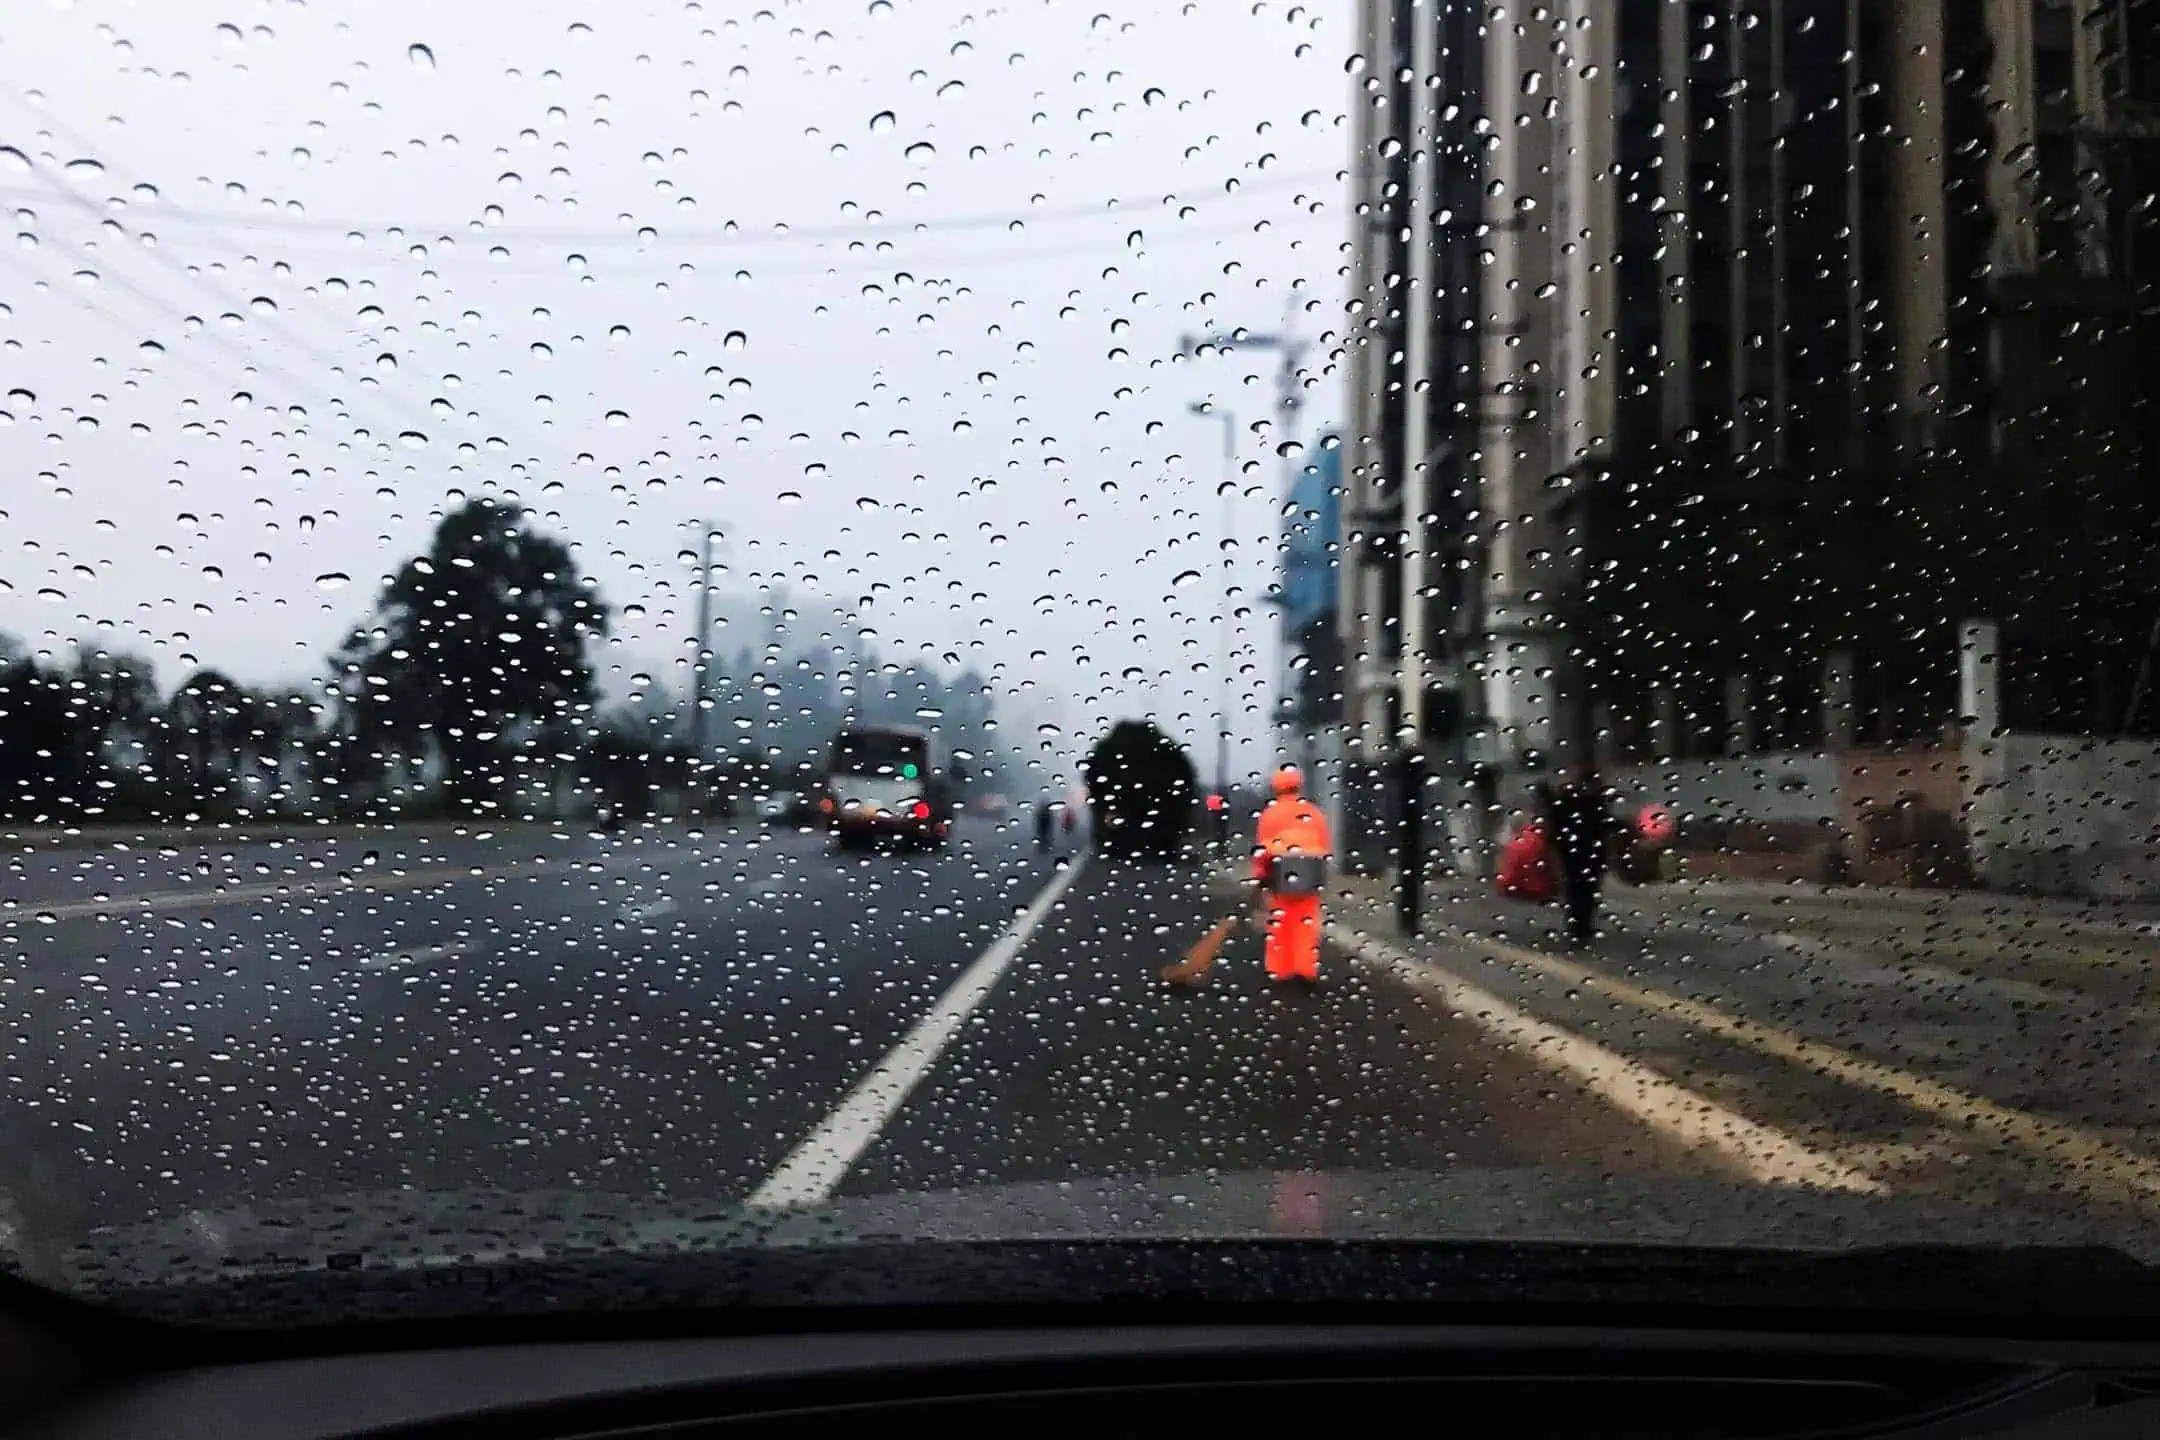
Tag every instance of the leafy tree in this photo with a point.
(205, 727)
(280, 743)
(478, 647)
(115, 697)
(631, 758)
(48, 745)
(119, 694)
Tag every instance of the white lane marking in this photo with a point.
(651, 910)
(212, 897)
(399, 959)
(815, 1168)
(1915, 977)
(208, 1229)
(1760, 1152)
(2082, 1160)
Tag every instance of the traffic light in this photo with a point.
(1214, 802)
(908, 772)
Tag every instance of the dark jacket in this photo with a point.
(1578, 826)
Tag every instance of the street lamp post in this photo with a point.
(701, 659)
(1290, 349)
(1229, 599)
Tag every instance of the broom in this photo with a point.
(1194, 967)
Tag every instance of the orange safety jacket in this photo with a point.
(1294, 845)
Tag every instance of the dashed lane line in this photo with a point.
(814, 1169)
(2082, 1161)
(422, 955)
(1758, 1151)
(209, 899)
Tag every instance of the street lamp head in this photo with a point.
(1199, 407)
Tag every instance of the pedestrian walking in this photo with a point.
(1576, 815)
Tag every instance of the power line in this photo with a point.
(848, 264)
(182, 357)
(1115, 208)
(414, 417)
(157, 304)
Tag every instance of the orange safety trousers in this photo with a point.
(1293, 937)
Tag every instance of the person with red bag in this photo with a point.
(1529, 868)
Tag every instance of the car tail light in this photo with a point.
(826, 805)
(922, 811)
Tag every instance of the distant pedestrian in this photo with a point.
(1575, 812)
(1042, 825)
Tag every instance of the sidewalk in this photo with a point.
(2142, 915)
(1922, 1073)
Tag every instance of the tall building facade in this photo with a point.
(1713, 359)
(1311, 550)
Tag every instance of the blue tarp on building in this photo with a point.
(1312, 533)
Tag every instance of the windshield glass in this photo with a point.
(1536, 623)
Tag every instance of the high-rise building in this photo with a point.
(1312, 547)
(1713, 359)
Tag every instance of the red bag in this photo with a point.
(1528, 868)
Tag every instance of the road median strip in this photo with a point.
(2084, 1162)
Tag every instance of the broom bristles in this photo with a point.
(1202, 955)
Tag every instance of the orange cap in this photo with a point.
(1288, 781)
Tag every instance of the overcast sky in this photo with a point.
(888, 291)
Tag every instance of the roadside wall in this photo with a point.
(2074, 816)
(1785, 788)
(1767, 817)
(1878, 816)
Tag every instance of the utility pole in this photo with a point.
(1418, 304)
(1288, 381)
(1290, 349)
(1222, 628)
(701, 662)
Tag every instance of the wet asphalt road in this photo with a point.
(675, 1013)
(723, 1016)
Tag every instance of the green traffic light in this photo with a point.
(907, 772)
